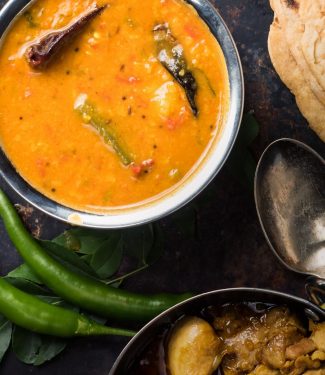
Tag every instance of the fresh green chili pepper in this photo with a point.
(35, 315)
(80, 290)
(171, 56)
(90, 115)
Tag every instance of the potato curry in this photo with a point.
(243, 339)
(110, 103)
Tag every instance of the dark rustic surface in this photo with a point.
(231, 250)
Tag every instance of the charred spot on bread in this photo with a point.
(292, 4)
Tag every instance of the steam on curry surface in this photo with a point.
(108, 104)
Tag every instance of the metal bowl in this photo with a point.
(201, 174)
(194, 305)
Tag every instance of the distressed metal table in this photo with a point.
(231, 250)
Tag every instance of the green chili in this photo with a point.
(80, 290)
(38, 316)
(90, 115)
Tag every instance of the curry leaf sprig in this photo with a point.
(97, 254)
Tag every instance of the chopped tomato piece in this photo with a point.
(192, 31)
(173, 122)
(138, 169)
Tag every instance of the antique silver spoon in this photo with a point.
(290, 203)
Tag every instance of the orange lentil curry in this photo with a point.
(123, 109)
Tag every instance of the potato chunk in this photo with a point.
(194, 348)
(264, 370)
(304, 346)
(318, 336)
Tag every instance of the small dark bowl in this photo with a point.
(194, 305)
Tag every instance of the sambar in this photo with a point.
(114, 62)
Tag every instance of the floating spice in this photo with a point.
(171, 56)
(43, 50)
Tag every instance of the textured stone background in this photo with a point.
(231, 250)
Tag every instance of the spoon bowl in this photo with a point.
(290, 202)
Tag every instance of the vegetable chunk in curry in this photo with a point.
(155, 94)
(237, 340)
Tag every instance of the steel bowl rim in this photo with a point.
(191, 187)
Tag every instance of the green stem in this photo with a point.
(35, 315)
(91, 328)
(127, 275)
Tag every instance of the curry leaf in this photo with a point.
(68, 240)
(138, 242)
(32, 348)
(5, 336)
(83, 240)
(68, 258)
(28, 286)
(24, 272)
(26, 345)
(107, 259)
(50, 348)
(85, 251)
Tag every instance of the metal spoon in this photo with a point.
(290, 203)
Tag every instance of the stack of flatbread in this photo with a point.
(297, 50)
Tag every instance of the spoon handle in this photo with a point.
(315, 289)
